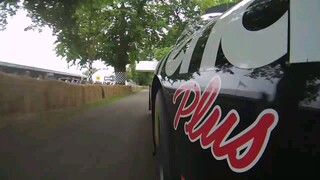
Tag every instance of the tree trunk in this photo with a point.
(90, 72)
(122, 53)
(120, 69)
(120, 72)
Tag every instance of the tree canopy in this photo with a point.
(117, 32)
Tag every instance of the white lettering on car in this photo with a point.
(243, 48)
(254, 49)
(179, 56)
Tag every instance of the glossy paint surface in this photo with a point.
(240, 105)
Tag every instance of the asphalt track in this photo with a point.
(108, 142)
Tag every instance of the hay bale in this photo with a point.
(26, 95)
(19, 94)
(107, 91)
(115, 90)
(76, 90)
(92, 93)
(54, 94)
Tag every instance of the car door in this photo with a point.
(242, 97)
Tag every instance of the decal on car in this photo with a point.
(207, 126)
(253, 34)
(238, 43)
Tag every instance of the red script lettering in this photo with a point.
(212, 132)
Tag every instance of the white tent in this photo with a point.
(104, 76)
(146, 66)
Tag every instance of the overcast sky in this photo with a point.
(30, 47)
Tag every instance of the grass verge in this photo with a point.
(49, 119)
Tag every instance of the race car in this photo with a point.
(237, 97)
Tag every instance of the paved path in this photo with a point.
(110, 142)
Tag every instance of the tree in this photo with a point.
(7, 8)
(87, 72)
(161, 52)
(143, 78)
(117, 32)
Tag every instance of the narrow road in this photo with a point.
(109, 142)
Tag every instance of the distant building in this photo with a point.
(38, 73)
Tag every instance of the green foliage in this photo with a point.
(159, 53)
(131, 71)
(143, 78)
(7, 8)
(80, 41)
